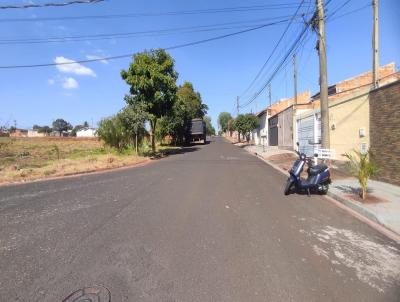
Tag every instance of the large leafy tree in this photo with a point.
(152, 79)
(223, 119)
(192, 100)
(61, 125)
(177, 124)
(245, 123)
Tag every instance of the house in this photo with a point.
(276, 121)
(19, 133)
(260, 135)
(87, 132)
(349, 115)
(4, 132)
(35, 133)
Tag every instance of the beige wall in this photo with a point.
(348, 115)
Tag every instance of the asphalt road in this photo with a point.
(210, 224)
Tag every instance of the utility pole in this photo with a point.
(375, 45)
(270, 95)
(237, 105)
(323, 81)
(295, 78)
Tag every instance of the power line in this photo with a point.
(131, 54)
(280, 65)
(273, 51)
(237, 9)
(287, 55)
(199, 28)
(49, 4)
(351, 12)
(338, 9)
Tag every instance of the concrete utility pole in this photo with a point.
(295, 78)
(375, 45)
(270, 95)
(237, 105)
(323, 81)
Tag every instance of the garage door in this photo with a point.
(308, 132)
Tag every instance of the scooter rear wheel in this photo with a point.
(288, 187)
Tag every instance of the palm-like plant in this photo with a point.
(362, 167)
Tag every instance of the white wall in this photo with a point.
(86, 133)
(261, 134)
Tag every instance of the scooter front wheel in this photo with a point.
(288, 186)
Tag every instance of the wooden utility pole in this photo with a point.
(270, 95)
(375, 45)
(295, 78)
(323, 81)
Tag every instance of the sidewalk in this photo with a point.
(383, 206)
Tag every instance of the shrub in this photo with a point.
(113, 133)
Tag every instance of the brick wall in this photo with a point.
(385, 131)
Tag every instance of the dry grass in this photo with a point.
(25, 159)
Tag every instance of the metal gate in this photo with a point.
(273, 131)
(309, 134)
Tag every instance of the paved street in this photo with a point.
(209, 224)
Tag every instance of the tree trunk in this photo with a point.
(153, 124)
(136, 144)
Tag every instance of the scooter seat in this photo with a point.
(317, 169)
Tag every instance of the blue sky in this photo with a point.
(219, 70)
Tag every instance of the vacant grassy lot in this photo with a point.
(24, 159)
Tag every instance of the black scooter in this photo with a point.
(318, 179)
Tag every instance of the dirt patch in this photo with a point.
(283, 157)
(28, 159)
(370, 199)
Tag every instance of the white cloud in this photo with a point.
(70, 83)
(73, 67)
(95, 57)
(51, 82)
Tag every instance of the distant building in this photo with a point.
(87, 132)
(35, 133)
(19, 133)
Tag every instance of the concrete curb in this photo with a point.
(359, 212)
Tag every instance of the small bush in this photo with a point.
(362, 167)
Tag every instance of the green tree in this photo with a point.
(230, 126)
(362, 167)
(61, 125)
(192, 100)
(152, 79)
(133, 118)
(223, 119)
(245, 123)
(209, 127)
(44, 129)
(177, 123)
